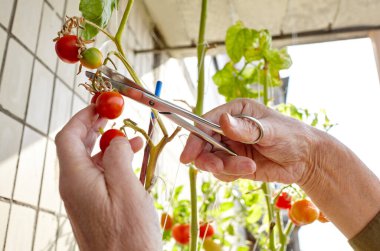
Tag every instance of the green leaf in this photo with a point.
(238, 39)
(177, 192)
(205, 187)
(255, 215)
(242, 248)
(224, 206)
(253, 54)
(278, 59)
(98, 12)
(230, 229)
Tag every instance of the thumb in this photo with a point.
(238, 129)
(117, 163)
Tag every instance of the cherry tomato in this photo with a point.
(322, 217)
(297, 223)
(95, 97)
(304, 212)
(67, 49)
(92, 58)
(169, 221)
(210, 245)
(181, 233)
(202, 230)
(106, 138)
(109, 105)
(284, 201)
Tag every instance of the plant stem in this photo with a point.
(138, 81)
(266, 86)
(121, 28)
(267, 194)
(201, 51)
(101, 29)
(194, 208)
(288, 230)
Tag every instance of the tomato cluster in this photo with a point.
(301, 212)
(70, 50)
(181, 231)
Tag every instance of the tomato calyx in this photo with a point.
(283, 201)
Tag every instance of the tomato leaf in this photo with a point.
(224, 206)
(278, 59)
(238, 39)
(98, 12)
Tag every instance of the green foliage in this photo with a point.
(98, 12)
(261, 63)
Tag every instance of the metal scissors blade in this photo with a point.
(130, 89)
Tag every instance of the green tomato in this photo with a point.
(92, 58)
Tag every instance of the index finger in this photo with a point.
(76, 139)
(195, 145)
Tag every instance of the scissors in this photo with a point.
(131, 90)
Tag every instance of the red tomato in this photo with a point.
(95, 97)
(109, 105)
(181, 233)
(202, 230)
(322, 217)
(67, 49)
(284, 201)
(106, 138)
(304, 212)
(169, 221)
(92, 58)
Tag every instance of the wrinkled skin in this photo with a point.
(102, 196)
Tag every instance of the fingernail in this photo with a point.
(232, 121)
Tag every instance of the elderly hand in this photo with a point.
(107, 206)
(284, 154)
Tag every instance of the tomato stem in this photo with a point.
(201, 52)
(122, 25)
(109, 35)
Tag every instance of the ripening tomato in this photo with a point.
(67, 49)
(166, 221)
(322, 217)
(92, 58)
(109, 135)
(284, 201)
(95, 97)
(181, 233)
(303, 212)
(109, 105)
(202, 230)
(210, 245)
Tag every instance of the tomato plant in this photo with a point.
(303, 212)
(284, 201)
(67, 49)
(206, 230)
(91, 58)
(166, 221)
(109, 105)
(181, 233)
(109, 135)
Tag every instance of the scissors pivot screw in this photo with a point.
(151, 103)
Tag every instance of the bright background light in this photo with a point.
(340, 77)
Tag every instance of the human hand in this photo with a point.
(283, 155)
(107, 206)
